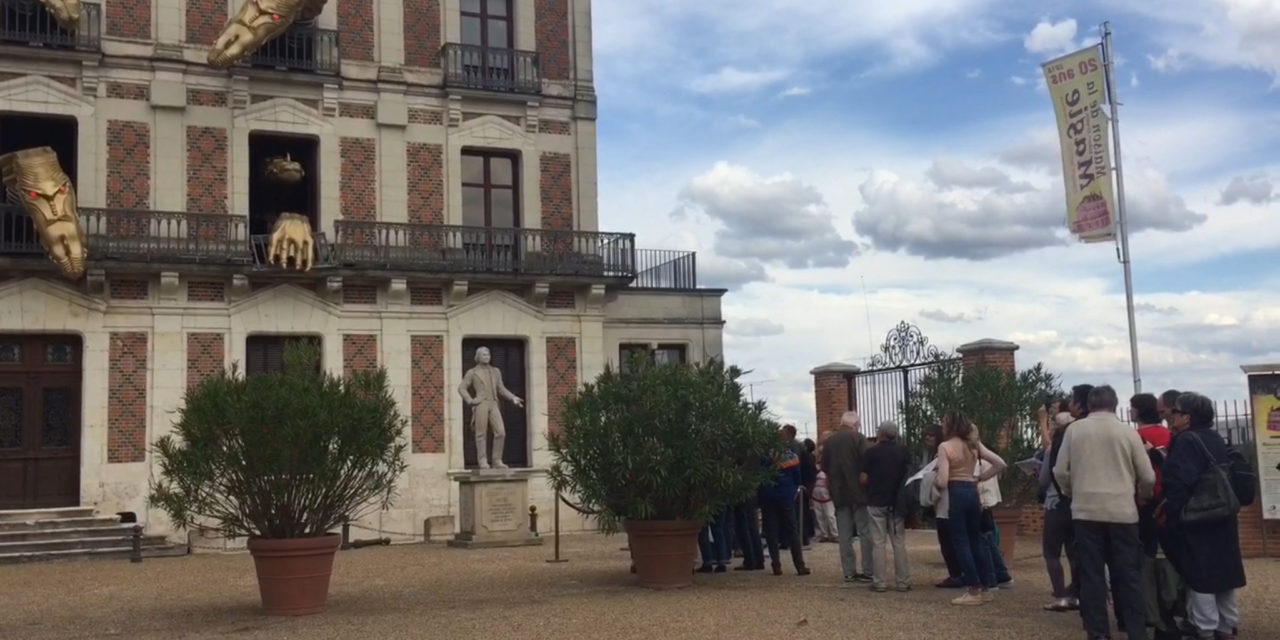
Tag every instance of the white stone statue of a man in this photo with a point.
(485, 380)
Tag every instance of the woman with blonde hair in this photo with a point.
(958, 458)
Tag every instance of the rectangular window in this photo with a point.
(664, 353)
(489, 191)
(667, 353)
(487, 24)
(265, 354)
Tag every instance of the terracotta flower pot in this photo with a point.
(1007, 519)
(663, 551)
(293, 573)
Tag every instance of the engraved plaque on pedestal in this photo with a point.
(493, 510)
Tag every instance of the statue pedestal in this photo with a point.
(493, 509)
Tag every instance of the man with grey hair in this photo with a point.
(1165, 405)
(885, 468)
(842, 460)
(1101, 466)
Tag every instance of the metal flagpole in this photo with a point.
(1122, 219)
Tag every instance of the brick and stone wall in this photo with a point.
(556, 188)
(206, 170)
(206, 291)
(128, 19)
(206, 356)
(552, 26)
(359, 352)
(204, 19)
(562, 378)
(425, 171)
(127, 397)
(128, 164)
(359, 180)
(355, 18)
(128, 289)
(427, 366)
(422, 39)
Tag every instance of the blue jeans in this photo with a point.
(964, 518)
(713, 541)
(999, 572)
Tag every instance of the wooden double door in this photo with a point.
(40, 414)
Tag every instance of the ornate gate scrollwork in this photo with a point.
(905, 346)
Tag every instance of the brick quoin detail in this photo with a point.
(552, 17)
(425, 169)
(557, 191)
(359, 352)
(554, 127)
(426, 296)
(422, 33)
(206, 169)
(356, 18)
(427, 357)
(357, 111)
(206, 355)
(122, 91)
(128, 290)
(128, 164)
(562, 379)
(426, 116)
(205, 18)
(127, 398)
(206, 292)
(129, 19)
(359, 294)
(206, 98)
(562, 300)
(359, 183)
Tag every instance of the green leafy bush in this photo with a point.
(1003, 406)
(281, 455)
(662, 442)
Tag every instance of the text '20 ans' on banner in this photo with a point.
(1077, 84)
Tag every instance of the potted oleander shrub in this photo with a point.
(282, 459)
(1003, 405)
(659, 449)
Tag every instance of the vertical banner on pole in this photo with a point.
(1264, 394)
(1078, 87)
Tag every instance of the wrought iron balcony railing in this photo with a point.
(666, 269)
(137, 235)
(301, 48)
(458, 249)
(491, 69)
(28, 22)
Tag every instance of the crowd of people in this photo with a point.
(1145, 517)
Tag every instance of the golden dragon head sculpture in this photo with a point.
(35, 181)
(284, 170)
(256, 23)
(65, 12)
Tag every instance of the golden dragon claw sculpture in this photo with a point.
(291, 238)
(65, 12)
(255, 24)
(35, 181)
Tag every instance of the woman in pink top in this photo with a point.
(957, 459)
(824, 508)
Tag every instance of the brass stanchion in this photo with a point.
(555, 516)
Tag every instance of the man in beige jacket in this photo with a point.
(1103, 467)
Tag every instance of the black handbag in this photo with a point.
(1213, 499)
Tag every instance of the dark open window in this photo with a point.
(20, 131)
(663, 354)
(268, 198)
(265, 354)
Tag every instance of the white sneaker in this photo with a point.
(968, 599)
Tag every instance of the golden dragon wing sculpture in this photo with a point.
(35, 181)
(255, 24)
(65, 12)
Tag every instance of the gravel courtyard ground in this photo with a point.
(429, 591)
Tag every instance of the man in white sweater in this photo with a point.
(1104, 468)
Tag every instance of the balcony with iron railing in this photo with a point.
(665, 269)
(29, 23)
(300, 48)
(491, 69)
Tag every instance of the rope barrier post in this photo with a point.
(800, 515)
(136, 555)
(555, 517)
(346, 536)
(533, 520)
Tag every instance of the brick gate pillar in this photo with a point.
(989, 352)
(832, 394)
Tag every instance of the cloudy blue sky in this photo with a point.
(806, 148)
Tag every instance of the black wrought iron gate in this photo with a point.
(881, 388)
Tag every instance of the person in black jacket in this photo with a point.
(1206, 554)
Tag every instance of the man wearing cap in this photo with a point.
(885, 467)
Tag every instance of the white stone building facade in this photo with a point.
(163, 150)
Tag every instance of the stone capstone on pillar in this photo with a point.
(989, 352)
(832, 394)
